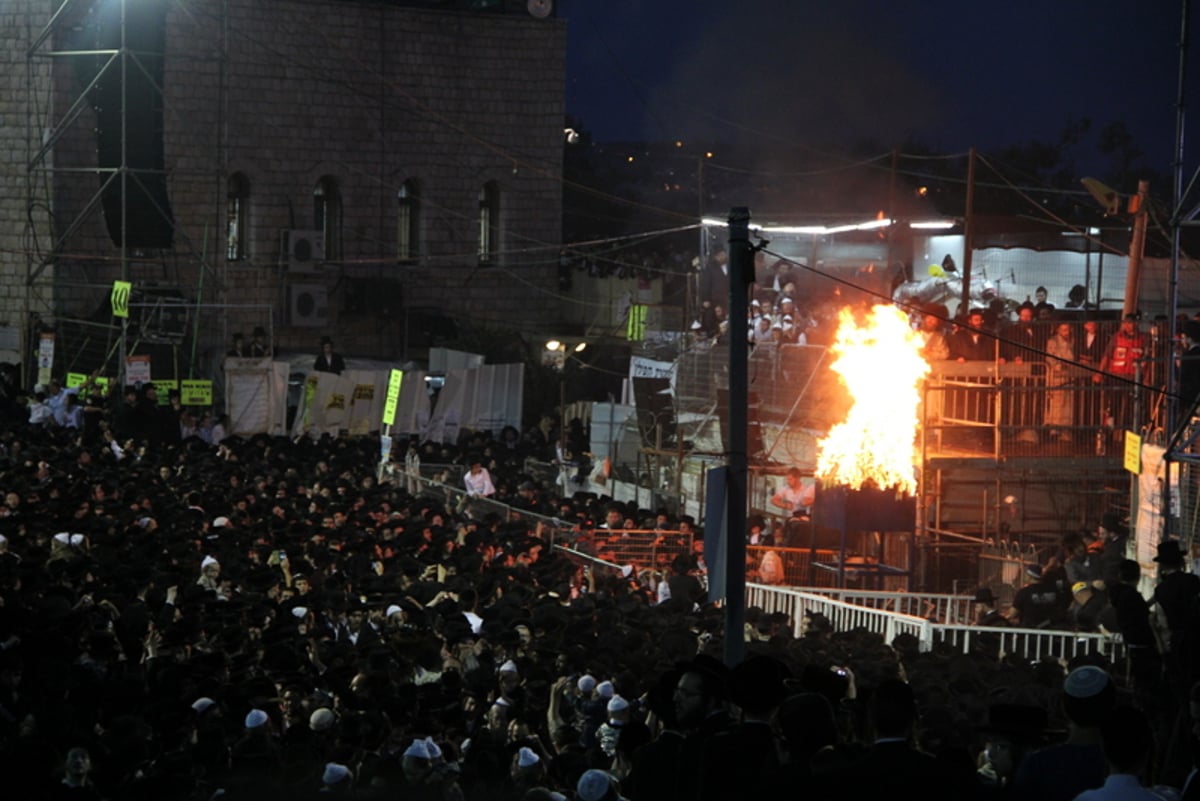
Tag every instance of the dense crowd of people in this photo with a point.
(261, 617)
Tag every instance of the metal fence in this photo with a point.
(936, 620)
(430, 482)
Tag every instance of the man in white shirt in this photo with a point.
(478, 481)
(39, 410)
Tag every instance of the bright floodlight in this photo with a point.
(554, 344)
(581, 347)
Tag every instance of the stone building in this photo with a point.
(314, 167)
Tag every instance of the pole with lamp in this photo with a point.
(558, 354)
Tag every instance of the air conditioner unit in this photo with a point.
(308, 304)
(305, 251)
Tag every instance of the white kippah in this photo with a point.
(202, 704)
(335, 773)
(586, 683)
(605, 689)
(321, 719)
(418, 749)
(256, 718)
(526, 758)
(208, 560)
(617, 704)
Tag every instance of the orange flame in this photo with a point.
(880, 362)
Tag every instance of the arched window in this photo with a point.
(407, 221)
(489, 222)
(327, 215)
(237, 202)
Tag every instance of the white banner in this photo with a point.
(641, 367)
(1149, 523)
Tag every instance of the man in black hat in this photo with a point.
(986, 613)
(1176, 596)
(327, 360)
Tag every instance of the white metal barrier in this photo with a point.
(843, 615)
(936, 607)
(890, 614)
(1033, 644)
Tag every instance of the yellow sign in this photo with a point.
(120, 298)
(195, 393)
(393, 396)
(364, 392)
(99, 382)
(1133, 453)
(164, 388)
(336, 401)
(636, 331)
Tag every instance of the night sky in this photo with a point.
(946, 74)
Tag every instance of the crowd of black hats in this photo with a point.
(264, 619)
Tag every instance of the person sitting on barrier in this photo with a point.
(796, 495)
(986, 613)
(1081, 564)
(1088, 607)
(1042, 603)
(478, 480)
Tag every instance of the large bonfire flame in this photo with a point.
(879, 359)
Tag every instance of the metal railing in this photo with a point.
(935, 620)
(476, 507)
(844, 616)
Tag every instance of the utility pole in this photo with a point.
(968, 234)
(1137, 247)
(741, 273)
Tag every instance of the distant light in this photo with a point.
(708, 154)
(554, 344)
(922, 191)
(581, 347)
(933, 225)
(629, 159)
(678, 143)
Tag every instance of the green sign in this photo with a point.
(393, 397)
(636, 331)
(164, 388)
(121, 291)
(196, 393)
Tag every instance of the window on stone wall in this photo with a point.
(489, 222)
(327, 215)
(237, 210)
(407, 221)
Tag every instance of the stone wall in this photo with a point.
(286, 92)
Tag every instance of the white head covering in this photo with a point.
(221, 522)
(617, 704)
(419, 749)
(586, 683)
(394, 609)
(203, 704)
(208, 560)
(335, 773)
(256, 718)
(593, 785)
(322, 719)
(605, 689)
(299, 612)
(509, 667)
(527, 758)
